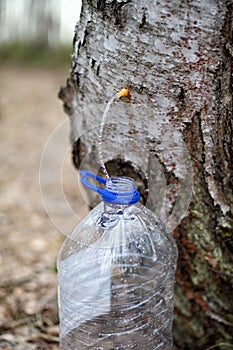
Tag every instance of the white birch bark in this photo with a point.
(174, 134)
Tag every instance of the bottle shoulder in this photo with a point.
(134, 226)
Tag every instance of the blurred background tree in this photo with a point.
(35, 48)
(37, 31)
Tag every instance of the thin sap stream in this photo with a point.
(103, 122)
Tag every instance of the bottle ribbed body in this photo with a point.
(115, 281)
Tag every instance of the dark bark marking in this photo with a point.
(194, 140)
(79, 151)
(79, 45)
(98, 70)
(86, 33)
(225, 141)
(75, 38)
(181, 94)
(93, 62)
(112, 10)
(100, 5)
(143, 21)
(222, 153)
(76, 79)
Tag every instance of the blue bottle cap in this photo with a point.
(117, 190)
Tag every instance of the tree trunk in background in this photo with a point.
(31, 22)
(175, 136)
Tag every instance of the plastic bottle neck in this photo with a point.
(124, 190)
(117, 190)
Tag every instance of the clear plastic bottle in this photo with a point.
(116, 275)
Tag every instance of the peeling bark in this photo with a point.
(175, 135)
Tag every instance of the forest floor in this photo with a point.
(29, 113)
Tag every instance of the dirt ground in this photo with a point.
(29, 114)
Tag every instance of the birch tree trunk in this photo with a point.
(174, 136)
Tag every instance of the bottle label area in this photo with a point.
(90, 279)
